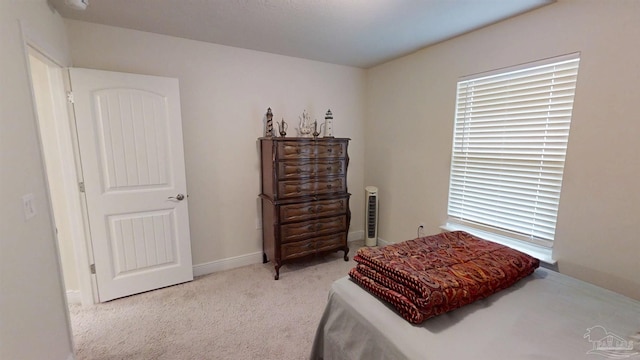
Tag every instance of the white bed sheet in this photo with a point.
(544, 316)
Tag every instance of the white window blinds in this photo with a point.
(510, 139)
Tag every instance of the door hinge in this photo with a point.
(92, 268)
(81, 186)
(70, 97)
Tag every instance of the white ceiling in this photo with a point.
(360, 33)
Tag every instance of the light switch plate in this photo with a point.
(28, 206)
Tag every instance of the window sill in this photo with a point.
(543, 254)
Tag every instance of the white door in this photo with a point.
(130, 140)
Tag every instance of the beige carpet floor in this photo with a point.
(236, 314)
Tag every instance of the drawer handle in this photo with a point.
(329, 186)
(298, 170)
(298, 150)
(328, 168)
(329, 150)
(319, 208)
(298, 189)
(312, 209)
(310, 227)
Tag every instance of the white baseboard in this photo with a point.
(248, 259)
(74, 297)
(227, 264)
(382, 242)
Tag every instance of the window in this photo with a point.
(509, 146)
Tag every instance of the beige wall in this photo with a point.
(33, 317)
(410, 104)
(409, 109)
(225, 92)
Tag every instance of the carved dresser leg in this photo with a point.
(277, 266)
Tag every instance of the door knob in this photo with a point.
(178, 197)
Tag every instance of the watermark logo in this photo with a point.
(608, 344)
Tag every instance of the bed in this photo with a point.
(544, 315)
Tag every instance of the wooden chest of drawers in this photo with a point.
(305, 203)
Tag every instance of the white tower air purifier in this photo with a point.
(371, 216)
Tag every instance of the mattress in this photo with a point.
(547, 315)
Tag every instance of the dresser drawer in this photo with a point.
(311, 246)
(292, 169)
(336, 241)
(313, 186)
(298, 249)
(314, 209)
(311, 149)
(312, 228)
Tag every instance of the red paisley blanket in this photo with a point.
(431, 275)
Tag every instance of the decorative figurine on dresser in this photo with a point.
(268, 130)
(305, 203)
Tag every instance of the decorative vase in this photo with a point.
(282, 128)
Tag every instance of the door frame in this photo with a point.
(71, 171)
